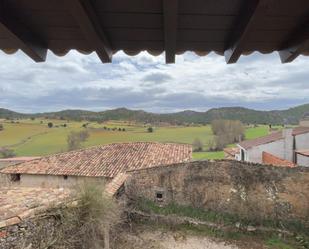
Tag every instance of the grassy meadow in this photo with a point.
(34, 138)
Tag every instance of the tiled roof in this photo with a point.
(106, 161)
(268, 158)
(17, 159)
(17, 204)
(272, 137)
(231, 151)
(303, 152)
(115, 184)
(247, 144)
(300, 130)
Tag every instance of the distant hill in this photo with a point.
(289, 116)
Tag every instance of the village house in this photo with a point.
(278, 148)
(96, 164)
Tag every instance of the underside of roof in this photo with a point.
(227, 27)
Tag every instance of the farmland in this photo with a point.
(33, 137)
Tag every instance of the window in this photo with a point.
(65, 177)
(159, 196)
(15, 177)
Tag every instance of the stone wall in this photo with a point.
(250, 191)
(50, 181)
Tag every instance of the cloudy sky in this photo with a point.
(145, 82)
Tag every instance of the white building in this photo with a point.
(283, 144)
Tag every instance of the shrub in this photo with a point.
(85, 225)
(50, 124)
(150, 129)
(1, 127)
(88, 224)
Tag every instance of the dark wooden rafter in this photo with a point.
(23, 36)
(250, 14)
(170, 13)
(295, 42)
(84, 14)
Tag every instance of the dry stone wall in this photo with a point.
(251, 191)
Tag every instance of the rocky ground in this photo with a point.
(153, 238)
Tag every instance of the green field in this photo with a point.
(34, 138)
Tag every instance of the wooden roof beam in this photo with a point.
(84, 14)
(25, 38)
(248, 17)
(170, 13)
(295, 42)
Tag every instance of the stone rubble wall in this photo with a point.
(250, 191)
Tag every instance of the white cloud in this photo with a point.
(145, 82)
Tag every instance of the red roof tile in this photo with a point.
(247, 144)
(106, 161)
(17, 159)
(268, 158)
(303, 152)
(300, 130)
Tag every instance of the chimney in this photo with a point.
(288, 146)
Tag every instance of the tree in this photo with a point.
(197, 145)
(75, 139)
(1, 127)
(227, 132)
(50, 124)
(150, 129)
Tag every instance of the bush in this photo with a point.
(85, 225)
(150, 129)
(88, 224)
(50, 124)
(1, 127)
(197, 145)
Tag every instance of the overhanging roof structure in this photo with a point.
(228, 27)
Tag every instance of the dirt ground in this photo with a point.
(145, 238)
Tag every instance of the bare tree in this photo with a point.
(197, 145)
(75, 139)
(227, 132)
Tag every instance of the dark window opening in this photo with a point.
(242, 155)
(65, 177)
(159, 196)
(15, 177)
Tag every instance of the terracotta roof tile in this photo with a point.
(303, 152)
(106, 161)
(247, 144)
(300, 130)
(268, 158)
(17, 159)
(232, 151)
